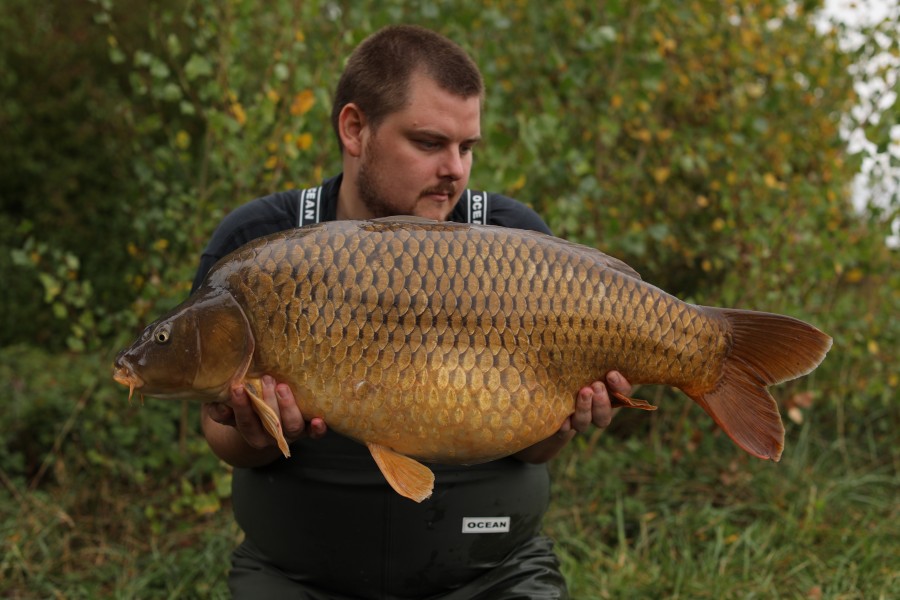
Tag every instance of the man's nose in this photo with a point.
(453, 164)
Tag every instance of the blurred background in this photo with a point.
(736, 153)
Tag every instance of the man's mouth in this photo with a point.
(441, 193)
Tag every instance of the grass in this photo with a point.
(58, 545)
(660, 506)
(822, 523)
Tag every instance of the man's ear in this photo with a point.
(351, 123)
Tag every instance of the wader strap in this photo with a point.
(476, 207)
(310, 206)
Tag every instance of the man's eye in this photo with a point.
(428, 145)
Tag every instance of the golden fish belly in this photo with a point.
(456, 343)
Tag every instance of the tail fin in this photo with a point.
(766, 349)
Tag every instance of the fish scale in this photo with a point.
(458, 343)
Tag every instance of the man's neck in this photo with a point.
(349, 205)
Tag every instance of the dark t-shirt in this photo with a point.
(327, 517)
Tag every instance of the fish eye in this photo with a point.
(161, 335)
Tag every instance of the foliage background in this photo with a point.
(703, 142)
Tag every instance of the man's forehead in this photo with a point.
(430, 106)
(420, 82)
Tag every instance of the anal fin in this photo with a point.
(269, 418)
(407, 476)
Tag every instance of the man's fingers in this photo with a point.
(601, 410)
(246, 421)
(281, 399)
(220, 413)
(581, 418)
(291, 420)
(268, 392)
(617, 383)
(317, 428)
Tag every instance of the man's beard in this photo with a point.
(369, 182)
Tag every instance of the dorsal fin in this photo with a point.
(405, 219)
(608, 261)
(620, 266)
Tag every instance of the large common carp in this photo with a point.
(457, 343)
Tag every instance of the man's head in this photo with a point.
(408, 114)
(378, 72)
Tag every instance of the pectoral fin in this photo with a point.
(407, 476)
(269, 418)
(622, 401)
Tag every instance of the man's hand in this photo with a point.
(236, 434)
(593, 404)
(592, 407)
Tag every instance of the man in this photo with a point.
(324, 523)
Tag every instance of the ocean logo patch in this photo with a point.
(485, 524)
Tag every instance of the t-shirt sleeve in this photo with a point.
(244, 224)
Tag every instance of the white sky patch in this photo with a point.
(878, 183)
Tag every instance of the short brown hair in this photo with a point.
(378, 72)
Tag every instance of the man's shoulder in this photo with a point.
(259, 217)
(509, 212)
(247, 222)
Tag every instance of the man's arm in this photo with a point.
(592, 408)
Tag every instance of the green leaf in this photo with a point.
(197, 66)
(116, 56)
(171, 92)
(282, 72)
(159, 69)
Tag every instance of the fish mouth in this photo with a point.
(126, 376)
